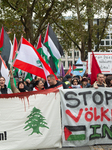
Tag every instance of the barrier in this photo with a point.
(32, 120)
(86, 116)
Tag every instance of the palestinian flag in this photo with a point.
(43, 50)
(53, 45)
(5, 46)
(78, 67)
(75, 133)
(29, 60)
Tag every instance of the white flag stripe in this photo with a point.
(45, 51)
(80, 67)
(28, 56)
(5, 73)
(54, 49)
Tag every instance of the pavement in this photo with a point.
(98, 147)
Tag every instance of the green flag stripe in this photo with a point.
(40, 50)
(1, 48)
(55, 60)
(78, 69)
(76, 137)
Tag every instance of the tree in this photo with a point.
(83, 12)
(35, 121)
(32, 16)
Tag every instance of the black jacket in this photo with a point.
(59, 83)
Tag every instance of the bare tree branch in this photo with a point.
(103, 31)
(44, 18)
(14, 8)
(67, 35)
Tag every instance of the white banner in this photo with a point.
(30, 120)
(104, 60)
(86, 116)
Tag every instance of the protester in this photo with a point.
(28, 86)
(3, 87)
(67, 80)
(60, 78)
(21, 87)
(39, 85)
(100, 81)
(108, 81)
(54, 83)
(85, 83)
(75, 83)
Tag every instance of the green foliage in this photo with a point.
(35, 121)
(30, 18)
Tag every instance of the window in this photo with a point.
(107, 36)
(107, 42)
(102, 42)
(63, 62)
(69, 63)
(70, 54)
(76, 53)
(111, 42)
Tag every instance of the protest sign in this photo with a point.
(104, 60)
(30, 120)
(86, 116)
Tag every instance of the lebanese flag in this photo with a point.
(29, 60)
(95, 69)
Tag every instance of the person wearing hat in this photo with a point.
(67, 80)
(85, 83)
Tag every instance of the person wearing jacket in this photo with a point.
(3, 87)
(39, 85)
(54, 83)
(100, 81)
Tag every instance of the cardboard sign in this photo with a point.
(104, 60)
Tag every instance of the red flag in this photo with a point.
(69, 71)
(15, 46)
(95, 69)
(1, 39)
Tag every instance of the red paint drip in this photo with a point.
(22, 95)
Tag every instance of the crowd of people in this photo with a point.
(67, 82)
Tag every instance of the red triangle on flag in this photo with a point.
(15, 47)
(39, 45)
(46, 36)
(74, 67)
(67, 133)
(95, 69)
(1, 38)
